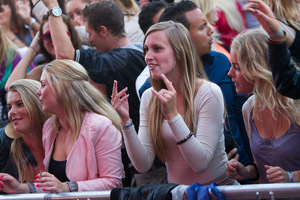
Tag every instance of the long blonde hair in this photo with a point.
(286, 11)
(8, 50)
(252, 54)
(234, 19)
(72, 89)
(27, 90)
(191, 69)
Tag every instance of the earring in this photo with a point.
(174, 65)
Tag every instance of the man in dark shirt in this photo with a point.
(115, 57)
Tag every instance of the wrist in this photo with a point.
(291, 177)
(126, 121)
(171, 116)
(30, 23)
(281, 38)
(52, 5)
(127, 124)
(67, 189)
(23, 188)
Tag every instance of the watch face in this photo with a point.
(56, 11)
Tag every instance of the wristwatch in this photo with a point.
(56, 11)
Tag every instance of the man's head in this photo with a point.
(102, 20)
(150, 13)
(187, 13)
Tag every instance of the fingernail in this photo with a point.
(1, 178)
(37, 185)
(35, 180)
(36, 176)
(43, 189)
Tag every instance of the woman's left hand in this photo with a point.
(49, 183)
(168, 98)
(276, 174)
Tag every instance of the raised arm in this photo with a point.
(62, 43)
(20, 71)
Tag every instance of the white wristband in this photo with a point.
(29, 27)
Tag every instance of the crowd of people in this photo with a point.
(149, 92)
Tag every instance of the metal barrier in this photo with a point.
(253, 191)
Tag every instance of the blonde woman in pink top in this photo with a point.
(82, 140)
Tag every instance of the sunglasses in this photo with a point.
(46, 37)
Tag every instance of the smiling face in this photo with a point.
(159, 55)
(201, 32)
(17, 112)
(47, 97)
(242, 85)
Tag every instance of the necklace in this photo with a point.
(271, 147)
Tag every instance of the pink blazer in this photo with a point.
(95, 161)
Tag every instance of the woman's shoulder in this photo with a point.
(97, 126)
(94, 122)
(248, 105)
(208, 87)
(146, 96)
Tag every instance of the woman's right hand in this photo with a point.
(263, 14)
(35, 43)
(10, 185)
(120, 102)
(23, 11)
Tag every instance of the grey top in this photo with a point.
(282, 152)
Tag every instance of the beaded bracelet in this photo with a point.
(185, 139)
(31, 187)
(127, 126)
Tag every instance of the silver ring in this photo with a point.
(19, 2)
(114, 99)
(163, 93)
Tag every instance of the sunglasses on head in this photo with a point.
(46, 37)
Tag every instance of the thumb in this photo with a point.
(268, 167)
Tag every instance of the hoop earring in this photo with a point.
(174, 65)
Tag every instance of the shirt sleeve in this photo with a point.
(200, 149)
(139, 147)
(107, 143)
(286, 76)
